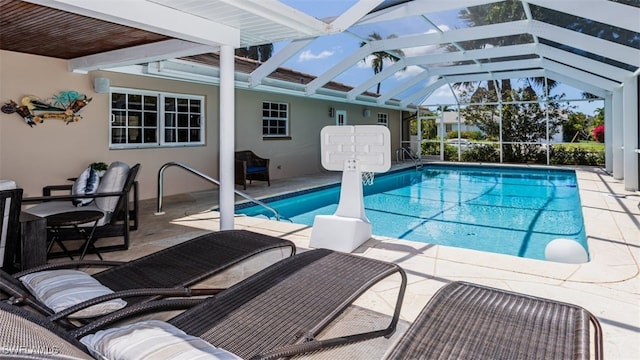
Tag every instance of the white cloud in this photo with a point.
(308, 55)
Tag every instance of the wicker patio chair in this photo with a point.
(470, 321)
(279, 311)
(164, 273)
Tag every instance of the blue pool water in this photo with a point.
(504, 210)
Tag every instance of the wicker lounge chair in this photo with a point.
(166, 272)
(469, 321)
(280, 310)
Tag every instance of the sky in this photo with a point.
(325, 52)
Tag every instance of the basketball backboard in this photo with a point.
(370, 145)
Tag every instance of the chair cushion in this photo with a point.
(112, 181)
(151, 339)
(60, 289)
(85, 184)
(255, 169)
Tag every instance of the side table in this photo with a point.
(72, 219)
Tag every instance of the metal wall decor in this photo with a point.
(63, 106)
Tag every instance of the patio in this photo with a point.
(608, 285)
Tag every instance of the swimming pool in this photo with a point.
(507, 210)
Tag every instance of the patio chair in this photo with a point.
(168, 272)
(470, 321)
(250, 166)
(279, 311)
(112, 198)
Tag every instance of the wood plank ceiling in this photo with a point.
(40, 30)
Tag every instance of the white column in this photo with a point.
(608, 133)
(227, 137)
(630, 137)
(616, 133)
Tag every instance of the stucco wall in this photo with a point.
(51, 152)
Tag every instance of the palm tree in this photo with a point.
(377, 63)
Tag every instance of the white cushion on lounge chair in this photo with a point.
(151, 339)
(61, 289)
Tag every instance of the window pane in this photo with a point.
(151, 103)
(118, 136)
(134, 136)
(195, 135)
(118, 101)
(150, 119)
(169, 104)
(134, 118)
(135, 102)
(183, 135)
(195, 121)
(183, 120)
(150, 136)
(195, 106)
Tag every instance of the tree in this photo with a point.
(379, 57)
(260, 53)
(523, 122)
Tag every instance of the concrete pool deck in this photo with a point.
(608, 285)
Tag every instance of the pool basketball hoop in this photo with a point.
(359, 152)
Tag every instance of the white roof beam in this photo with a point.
(604, 11)
(405, 85)
(164, 20)
(467, 78)
(276, 60)
(586, 64)
(578, 74)
(418, 8)
(447, 70)
(588, 43)
(167, 49)
(576, 83)
(379, 77)
(353, 14)
(496, 30)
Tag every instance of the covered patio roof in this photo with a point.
(591, 45)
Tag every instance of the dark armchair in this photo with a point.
(250, 166)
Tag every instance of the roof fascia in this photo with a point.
(165, 20)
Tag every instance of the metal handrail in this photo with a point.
(208, 178)
(416, 160)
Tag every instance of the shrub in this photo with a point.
(598, 133)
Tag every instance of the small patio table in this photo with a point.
(72, 219)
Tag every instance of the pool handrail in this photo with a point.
(208, 178)
(402, 151)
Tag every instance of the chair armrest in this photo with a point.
(69, 197)
(69, 265)
(160, 292)
(46, 191)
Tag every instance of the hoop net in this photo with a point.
(367, 178)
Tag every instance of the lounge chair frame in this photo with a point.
(163, 273)
(470, 321)
(279, 311)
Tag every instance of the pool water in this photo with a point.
(505, 210)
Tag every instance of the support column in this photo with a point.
(608, 133)
(227, 137)
(617, 133)
(630, 136)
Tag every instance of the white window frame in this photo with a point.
(161, 120)
(280, 115)
(383, 119)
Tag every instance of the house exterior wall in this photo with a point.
(53, 151)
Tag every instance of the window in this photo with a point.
(275, 119)
(152, 119)
(383, 119)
